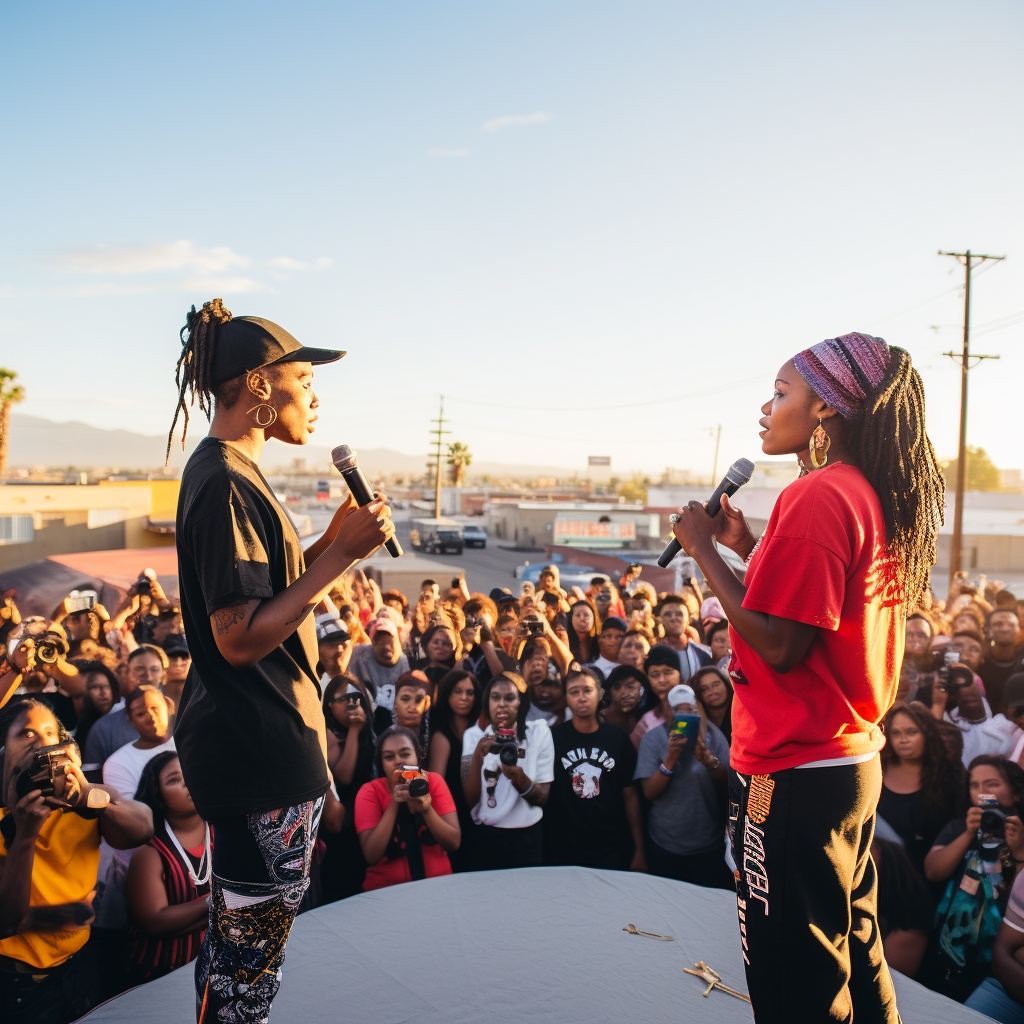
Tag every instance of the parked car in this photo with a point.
(436, 535)
(474, 536)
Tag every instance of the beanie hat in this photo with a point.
(662, 654)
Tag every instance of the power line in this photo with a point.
(964, 358)
(438, 433)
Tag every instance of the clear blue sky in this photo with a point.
(533, 205)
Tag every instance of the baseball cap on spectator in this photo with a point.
(1013, 692)
(385, 612)
(599, 579)
(711, 610)
(499, 594)
(331, 631)
(681, 694)
(176, 646)
(614, 622)
(386, 625)
(662, 654)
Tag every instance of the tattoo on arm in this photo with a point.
(225, 618)
(465, 766)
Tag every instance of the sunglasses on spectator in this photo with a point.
(351, 699)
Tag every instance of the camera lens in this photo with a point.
(508, 755)
(418, 788)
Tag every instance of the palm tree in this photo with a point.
(459, 457)
(10, 395)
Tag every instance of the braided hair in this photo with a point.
(193, 372)
(894, 452)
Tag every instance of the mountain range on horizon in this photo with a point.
(40, 442)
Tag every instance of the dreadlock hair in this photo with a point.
(895, 454)
(193, 373)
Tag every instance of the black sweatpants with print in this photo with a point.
(806, 895)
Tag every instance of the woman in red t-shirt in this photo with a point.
(817, 635)
(404, 838)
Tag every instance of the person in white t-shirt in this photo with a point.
(507, 770)
(149, 713)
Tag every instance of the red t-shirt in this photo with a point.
(372, 801)
(822, 561)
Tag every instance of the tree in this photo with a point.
(635, 490)
(459, 457)
(982, 474)
(10, 395)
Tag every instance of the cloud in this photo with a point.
(220, 285)
(148, 259)
(287, 263)
(448, 152)
(497, 123)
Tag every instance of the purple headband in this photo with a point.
(843, 370)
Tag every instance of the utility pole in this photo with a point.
(964, 358)
(714, 468)
(438, 433)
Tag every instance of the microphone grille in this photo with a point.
(343, 457)
(741, 471)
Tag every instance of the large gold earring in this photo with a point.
(820, 442)
(258, 387)
(271, 418)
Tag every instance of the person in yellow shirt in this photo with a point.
(49, 856)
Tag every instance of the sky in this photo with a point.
(595, 228)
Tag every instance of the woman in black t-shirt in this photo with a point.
(350, 744)
(457, 707)
(922, 783)
(250, 733)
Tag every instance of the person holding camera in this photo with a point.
(507, 770)
(978, 857)
(51, 822)
(683, 775)
(405, 818)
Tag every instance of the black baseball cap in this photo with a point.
(246, 343)
(499, 594)
(175, 645)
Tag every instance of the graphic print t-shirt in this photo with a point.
(253, 739)
(822, 561)
(585, 816)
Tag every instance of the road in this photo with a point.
(485, 568)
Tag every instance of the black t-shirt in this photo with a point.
(249, 740)
(585, 816)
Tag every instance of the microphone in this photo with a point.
(738, 474)
(345, 463)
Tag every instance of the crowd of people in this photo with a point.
(472, 731)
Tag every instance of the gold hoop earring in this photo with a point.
(820, 442)
(272, 418)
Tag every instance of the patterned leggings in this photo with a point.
(260, 873)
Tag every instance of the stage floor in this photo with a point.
(536, 944)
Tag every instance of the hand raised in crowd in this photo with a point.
(973, 818)
(1015, 836)
(356, 718)
(30, 814)
(676, 745)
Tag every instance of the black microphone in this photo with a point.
(345, 463)
(739, 473)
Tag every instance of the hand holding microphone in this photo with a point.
(369, 527)
(695, 522)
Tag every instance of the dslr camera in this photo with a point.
(50, 646)
(418, 786)
(43, 770)
(506, 746)
(992, 830)
(949, 659)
